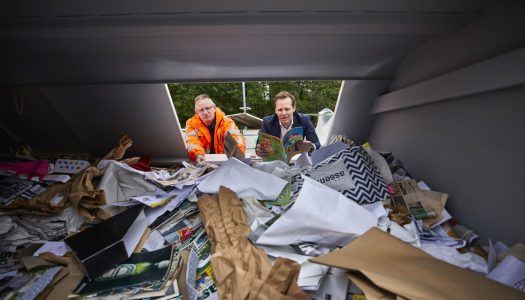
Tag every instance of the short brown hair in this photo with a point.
(282, 95)
(202, 97)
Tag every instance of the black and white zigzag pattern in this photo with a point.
(369, 185)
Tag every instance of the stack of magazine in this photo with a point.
(182, 227)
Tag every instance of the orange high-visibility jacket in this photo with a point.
(198, 138)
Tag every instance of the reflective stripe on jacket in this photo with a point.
(198, 138)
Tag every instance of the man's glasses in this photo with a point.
(207, 108)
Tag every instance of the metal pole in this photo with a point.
(243, 98)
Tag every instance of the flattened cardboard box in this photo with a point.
(110, 242)
(406, 271)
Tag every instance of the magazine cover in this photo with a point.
(281, 149)
(273, 145)
(290, 140)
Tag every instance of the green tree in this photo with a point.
(311, 96)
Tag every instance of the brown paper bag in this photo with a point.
(241, 270)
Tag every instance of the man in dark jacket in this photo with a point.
(286, 118)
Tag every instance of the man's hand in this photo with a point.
(304, 146)
(199, 158)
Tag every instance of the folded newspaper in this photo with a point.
(409, 198)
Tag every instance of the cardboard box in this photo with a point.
(110, 242)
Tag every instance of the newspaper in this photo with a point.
(185, 176)
(29, 285)
(438, 236)
(13, 188)
(9, 262)
(407, 194)
(173, 197)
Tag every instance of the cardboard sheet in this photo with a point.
(65, 286)
(411, 273)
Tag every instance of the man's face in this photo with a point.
(284, 111)
(205, 108)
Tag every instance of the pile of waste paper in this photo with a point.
(346, 222)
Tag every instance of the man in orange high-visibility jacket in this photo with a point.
(207, 130)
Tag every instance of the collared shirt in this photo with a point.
(284, 130)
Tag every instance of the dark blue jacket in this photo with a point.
(271, 126)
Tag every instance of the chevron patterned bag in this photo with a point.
(352, 173)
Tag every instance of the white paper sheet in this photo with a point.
(120, 182)
(492, 256)
(147, 175)
(495, 251)
(511, 272)
(333, 287)
(243, 180)
(152, 213)
(57, 178)
(445, 216)
(324, 152)
(154, 242)
(255, 210)
(310, 274)
(184, 192)
(466, 260)
(423, 186)
(302, 160)
(171, 198)
(321, 215)
(376, 208)
(57, 248)
(135, 232)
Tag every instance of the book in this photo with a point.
(283, 149)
